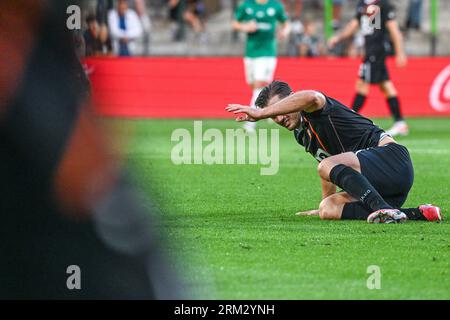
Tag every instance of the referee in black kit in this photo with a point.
(72, 225)
(376, 18)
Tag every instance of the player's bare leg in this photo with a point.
(400, 127)
(388, 88)
(344, 170)
(331, 207)
(334, 206)
(361, 200)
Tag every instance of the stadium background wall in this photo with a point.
(202, 87)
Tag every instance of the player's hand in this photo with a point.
(401, 60)
(308, 213)
(333, 41)
(250, 27)
(249, 114)
(283, 34)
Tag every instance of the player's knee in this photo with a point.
(324, 168)
(321, 168)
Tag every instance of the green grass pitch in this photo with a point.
(234, 235)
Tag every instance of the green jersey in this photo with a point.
(261, 43)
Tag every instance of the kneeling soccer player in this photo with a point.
(375, 172)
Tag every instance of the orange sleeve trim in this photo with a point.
(316, 135)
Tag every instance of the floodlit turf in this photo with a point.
(235, 234)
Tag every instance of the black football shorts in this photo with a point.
(374, 71)
(390, 171)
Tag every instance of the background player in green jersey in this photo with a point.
(259, 18)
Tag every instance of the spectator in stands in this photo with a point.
(96, 38)
(190, 11)
(414, 15)
(91, 36)
(125, 27)
(317, 4)
(103, 7)
(141, 10)
(337, 13)
(310, 44)
(176, 9)
(194, 15)
(293, 8)
(105, 44)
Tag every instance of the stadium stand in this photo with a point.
(220, 40)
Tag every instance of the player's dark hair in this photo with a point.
(276, 88)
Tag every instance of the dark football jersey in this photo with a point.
(335, 129)
(372, 21)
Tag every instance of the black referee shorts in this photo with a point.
(389, 169)
(374, 71)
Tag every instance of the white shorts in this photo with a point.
(260, 69)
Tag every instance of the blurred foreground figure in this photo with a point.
(71, 226)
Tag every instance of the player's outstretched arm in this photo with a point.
(349, 30)
(397, 40)
(307, 100)
(285, 29)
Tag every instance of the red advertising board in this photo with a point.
(202, 87)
